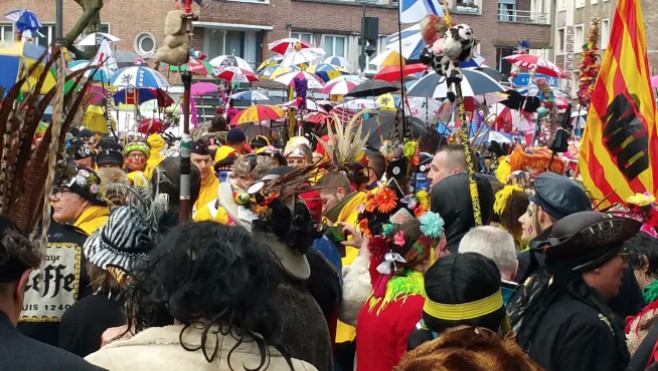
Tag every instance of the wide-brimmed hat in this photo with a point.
(585, 240)
(121, 242)
(294, 263)
(240, 214)
(83, 181)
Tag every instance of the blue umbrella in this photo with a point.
(337, 61)
(492, 135)
(139, 77)
(24, 19)
(474, 83)
(100, 75)
(413, 44)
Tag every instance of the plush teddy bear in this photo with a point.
(177, 42)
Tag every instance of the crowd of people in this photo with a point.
(323, 253)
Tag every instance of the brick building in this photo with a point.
(244, 27)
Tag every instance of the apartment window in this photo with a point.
(507, 10)
(605, 33)
(304, 36)
(580, 3)
(48, 31)
(467, 6)
(380, 48)
(561, 5)
(6, 32)
(560, 41)
(578, 38)
(335, 45)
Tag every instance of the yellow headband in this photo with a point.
(474, 309)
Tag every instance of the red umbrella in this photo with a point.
(537, 64)
(392, 73)
(319, 118)
(235, 74)
(281, 46)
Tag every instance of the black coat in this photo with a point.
(572, 336)
(19, 352)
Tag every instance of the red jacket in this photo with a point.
(381, 339)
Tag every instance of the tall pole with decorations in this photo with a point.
(447, 46)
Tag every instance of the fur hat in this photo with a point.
(473, 349)
(114, 185)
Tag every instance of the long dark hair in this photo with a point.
(215, 275)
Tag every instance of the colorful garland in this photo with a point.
(589, 65)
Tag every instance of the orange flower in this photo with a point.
(363, 224)
(419, 211)
(371, 204)
(386, 200)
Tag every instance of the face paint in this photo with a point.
(135, 161)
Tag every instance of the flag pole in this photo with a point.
(402, 87)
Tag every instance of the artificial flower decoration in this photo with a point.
(589, 65)
(641, 199)
(431, 224)
(386, 200)
(398, 239)
(387, 229)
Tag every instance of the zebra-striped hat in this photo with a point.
(121, 242)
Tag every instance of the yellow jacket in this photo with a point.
(209, 211)
(157, 144)
(208, 191)
(349, 213)
(92, 218)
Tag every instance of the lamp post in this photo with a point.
(59, 20)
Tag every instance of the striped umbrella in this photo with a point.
(231, 61)
(310, 105)
(341, 85)
(537, 64)
(258, 113)
(327, 71)
(139, 96)
(235, 74)
(314, 82)
(301, 56)
(388, 58)
(250, 95)
(79, 64)
(392, 73)
(337, 61)
(272, 72)
(16, 58)
(282, 46)
(271, 61)
(196, 66)
(139, 77)
(474, 83)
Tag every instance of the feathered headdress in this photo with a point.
(28, 172)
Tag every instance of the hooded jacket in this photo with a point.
(451, 198)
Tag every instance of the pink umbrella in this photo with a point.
(654, 81)
(537, 64)
(310, 105)
(97, 93)
(201, 88)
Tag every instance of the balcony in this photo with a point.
(523, 16)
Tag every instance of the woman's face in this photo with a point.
(243, 181)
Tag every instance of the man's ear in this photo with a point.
(19, 292)
(340, 193)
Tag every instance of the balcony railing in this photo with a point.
(523, 16)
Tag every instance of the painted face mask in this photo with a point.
(136, 161)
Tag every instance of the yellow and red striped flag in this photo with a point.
(620, 143)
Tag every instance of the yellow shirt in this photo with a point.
(210, 212)
(349, 214)
(92, 218)
(208, 191)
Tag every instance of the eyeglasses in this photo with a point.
(58, 193)
(624, 254)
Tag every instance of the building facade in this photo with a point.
(572, 28)
(244, 27)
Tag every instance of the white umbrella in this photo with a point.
(337, 61)
(342, 85)
(97, 38)
(310, 105)
(231, 61)
(139, 77)
(300, 56)
(359, 104)
(314, 82)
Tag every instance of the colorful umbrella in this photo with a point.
(97, 38)
(141, 95)
(388, 101)
(536, 64)
(282, 46)
(327, 71)
(250, 95)
(301, 56)
(318, 118)
(231, 61)
(474, 83)
(196, 66)
(99, 75)
(24, 19)
(201, 88)
(272, 72)
(342, 85)
(271, 61)
(16, 59)
(314, 82)
(258, 113)
(235, 74)
(359, 104)
(372, 88)
(388, 58)
(337, 61)
(139, 77)
(507, 119)
(392, 73)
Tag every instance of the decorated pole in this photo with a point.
(468, 153)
